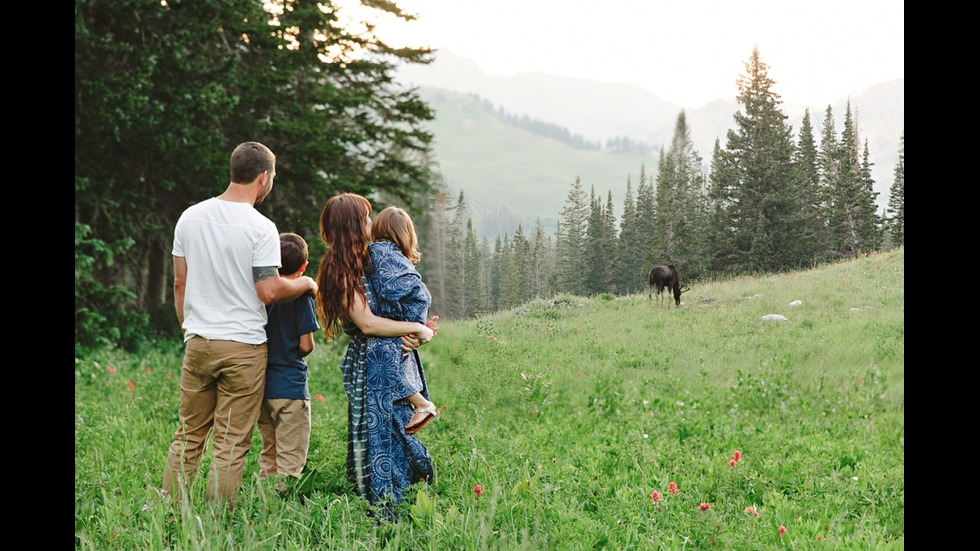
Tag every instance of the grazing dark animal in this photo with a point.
(666, 277)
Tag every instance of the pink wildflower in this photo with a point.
(738, 455)
(433, 323)
(704, 506)
(320, 398)
(478, 490)
(751, 510)
(782, 530)
(731, 463)
(111, 370)
(131, 386)
(672, 487)
(655, 496)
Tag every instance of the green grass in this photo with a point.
(569, 413)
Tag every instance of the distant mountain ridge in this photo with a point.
(600, 111)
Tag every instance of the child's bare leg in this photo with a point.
(418, 401)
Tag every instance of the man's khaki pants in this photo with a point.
(221, 387)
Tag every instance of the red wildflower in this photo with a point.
(738, 455)
(704, 506)
(148, 371)
(578, 374)
(672, 487)
(131, 385)
(782, 530)
(655, 496)
(111, 370)
(731, 462)
(751, 510)
(478, 490)
(320, 398)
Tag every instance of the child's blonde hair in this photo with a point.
(395, 225)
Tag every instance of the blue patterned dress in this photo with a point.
(382, 460)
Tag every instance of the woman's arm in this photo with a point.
(373, 326)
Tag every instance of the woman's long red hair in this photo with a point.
(342, 267)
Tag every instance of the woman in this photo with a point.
(382, 460)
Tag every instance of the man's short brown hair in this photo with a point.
(250, 159)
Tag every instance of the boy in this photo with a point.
(284, 421)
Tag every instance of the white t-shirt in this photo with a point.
(222, 241)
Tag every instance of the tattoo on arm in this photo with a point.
(264, 272)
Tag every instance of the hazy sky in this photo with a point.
(687, 52)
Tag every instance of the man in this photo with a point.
(226, 269)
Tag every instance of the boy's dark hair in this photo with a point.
(294, 253)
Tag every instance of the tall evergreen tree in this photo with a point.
(896, 200)
(646, 217)
(456, 275)
(472, 294)
(871, 223)
(723, 214)
(542, 261)
(812, 240)
(496, 272)
(625, 280)
(678, 232)
(165, 90)
(608, 244)
(573, 224)
(435, 244)
(521, 248)
(760, 150)
(595, 261)
(847, 189)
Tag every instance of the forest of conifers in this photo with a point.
(165, 90)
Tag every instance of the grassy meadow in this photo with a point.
(587, 423)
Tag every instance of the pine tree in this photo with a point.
(595, 261)
(813, 229)
(679, 199)
(473, 295)
(847, 191)
(496, 273)
(456, 276)
(541, 261)
(644, 254)
(871, 223)
(608, 244)
(434, 244)
(723, 214)
(625, 280)
(759, 159)
(514, 286)
(896, 200)
(571, 241)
